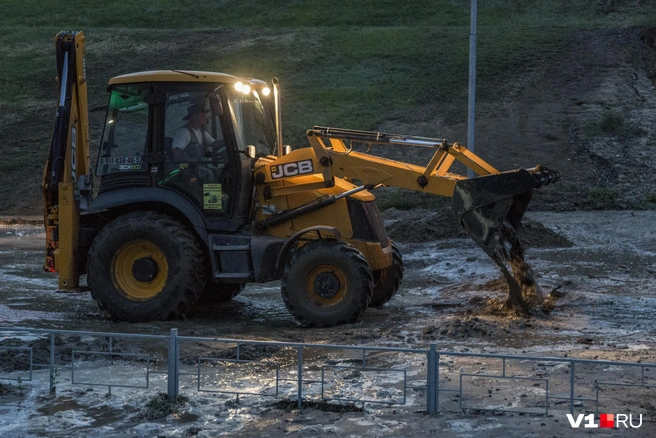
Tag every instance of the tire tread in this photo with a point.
(190, 284)
(365, 286)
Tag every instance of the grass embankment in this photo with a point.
(348, 64)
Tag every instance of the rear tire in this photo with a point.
(387, 281)
(216, 293)
(326, 283)
(145, 266)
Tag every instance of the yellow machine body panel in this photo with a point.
(287, 190)
(490, 207)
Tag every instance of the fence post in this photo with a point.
(299, 390)
(173, 357)
(431, 381)
(52, 364)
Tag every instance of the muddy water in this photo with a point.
(27, 294)
(606, 309)
(608, 275)
(29, 298)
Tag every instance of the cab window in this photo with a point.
(125, 137)
(252, 124)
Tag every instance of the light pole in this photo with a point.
(472, 83)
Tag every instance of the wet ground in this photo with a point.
(604, 289)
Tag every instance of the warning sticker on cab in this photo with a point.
(212, 197)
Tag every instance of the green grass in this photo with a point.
(395, 198)
(201, 14)
(613, 123)
(353, 63)
(601, 198)
(231, 13)
(651, 197)
(12, 163)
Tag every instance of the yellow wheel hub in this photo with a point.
(326, 284)
(140, 270)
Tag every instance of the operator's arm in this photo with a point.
(211, 147)
(207, 139)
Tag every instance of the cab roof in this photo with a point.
(181, 76)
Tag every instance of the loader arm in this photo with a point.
(490, 206)
(335, 148)
(336, 157)
(66, 177)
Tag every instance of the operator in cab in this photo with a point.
(192, 142)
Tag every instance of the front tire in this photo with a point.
(326, 283)
(145, 266)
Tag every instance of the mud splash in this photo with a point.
(523, 291)
(504, 244)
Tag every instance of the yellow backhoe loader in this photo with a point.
(196, 196)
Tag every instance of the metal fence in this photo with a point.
(389, 376)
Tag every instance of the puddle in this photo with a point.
(60, 404)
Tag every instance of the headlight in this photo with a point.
(244, 88)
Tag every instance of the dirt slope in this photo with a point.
(588, 111)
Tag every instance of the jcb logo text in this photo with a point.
(291, 169)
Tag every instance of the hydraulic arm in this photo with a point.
(66, 177)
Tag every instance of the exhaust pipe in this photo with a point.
(276, 99)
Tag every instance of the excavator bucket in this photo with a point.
(491, 208)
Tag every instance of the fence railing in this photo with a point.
(446, 380)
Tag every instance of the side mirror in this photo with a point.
(286, 149)
(250, 151)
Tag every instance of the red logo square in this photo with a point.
(607, 421)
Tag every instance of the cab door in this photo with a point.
(197, 163)
(254, 133)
